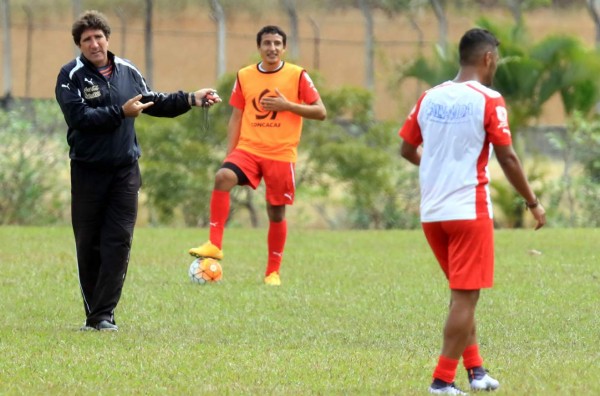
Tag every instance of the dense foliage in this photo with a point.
(34, 180)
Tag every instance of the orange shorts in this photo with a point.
(464, 250)
(279, 176)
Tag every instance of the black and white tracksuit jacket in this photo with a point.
(91, 105)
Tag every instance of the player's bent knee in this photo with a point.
(225, 179)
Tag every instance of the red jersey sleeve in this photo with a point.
(496, 122)
(237, 96)
(307, 92)
(411, 130)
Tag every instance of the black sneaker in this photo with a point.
(87, 327)
(479, 379)
(105, 325)
(440, 387)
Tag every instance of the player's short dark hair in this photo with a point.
(270, 29)
(474, 43)
(90, 19)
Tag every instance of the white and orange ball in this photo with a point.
(205, 270)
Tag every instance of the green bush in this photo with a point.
(34, 179)
(179, 159)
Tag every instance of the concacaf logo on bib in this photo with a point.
(262, 114)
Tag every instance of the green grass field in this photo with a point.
(359, 313)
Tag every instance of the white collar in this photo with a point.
(260, 67)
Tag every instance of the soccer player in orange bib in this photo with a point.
(457, 123)
(269, 101)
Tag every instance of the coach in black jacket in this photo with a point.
(100, 96)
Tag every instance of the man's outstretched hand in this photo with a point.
(133, 107)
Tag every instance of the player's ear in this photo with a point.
(488, 58)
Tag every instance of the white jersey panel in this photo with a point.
(451, 118)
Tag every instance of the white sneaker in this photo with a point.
(481, 380)
(440, 387)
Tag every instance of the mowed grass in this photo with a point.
(359, 313)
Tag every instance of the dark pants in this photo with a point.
(103, 210)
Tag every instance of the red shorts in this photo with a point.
(279, 176)
(465, 251)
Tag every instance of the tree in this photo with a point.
(181, 156)
(291, 10)
(516, 7)
(528, 76)
(28, 51)
(593, 8)
(316, 44)
(148, 43)
(440, 14)
(32, 165)
(7, 54)
(218, 15)
(365, 8)
(122, 15)
(579, 143)
(352, 162)
(77, 10)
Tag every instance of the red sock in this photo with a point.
(446, 369)
(219, 212)
(471, 357)
(276, 243)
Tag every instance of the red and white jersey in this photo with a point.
(457, 123)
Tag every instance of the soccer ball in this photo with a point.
(205, 270)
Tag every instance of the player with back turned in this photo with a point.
(449, 134)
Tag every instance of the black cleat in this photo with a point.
(440, 387)
(479, 379)
(105, 325)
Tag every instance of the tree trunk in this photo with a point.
(123, 20)
(316, 44)
(568, 153)
(421, 41)
(28, 50)
(7, 55)
(77, 10)
(148, 44)
(218, 15)
(322, 211)
(440, 14)
(294, 42)
(249, 204)
(515, 7)
(595, 13)
(369, 44)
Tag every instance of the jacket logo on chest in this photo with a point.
(91, 92)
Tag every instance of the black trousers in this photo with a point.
(104, 206)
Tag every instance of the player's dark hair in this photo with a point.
(474, 43)
(91, 19)
(270, 29)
